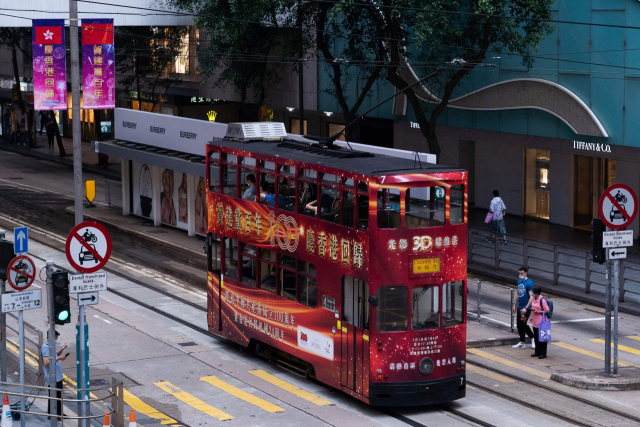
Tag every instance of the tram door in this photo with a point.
(354, 372)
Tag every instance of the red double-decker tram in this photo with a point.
(347, 266)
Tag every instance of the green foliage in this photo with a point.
(144, 56)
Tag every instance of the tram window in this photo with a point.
(229, 180)
(288, 262)
(362, 219)
(308, 291)
(268, 255)
(248, 185)
(267, 189)
(453, 303)
(348, 183)
(288, 170)
(393, 308)
(307, 193)
(249, 265)
(248, 162)
(425, 308)
(267, 166)
(214, 172)
(230, 158)
(309, 174)
(355, 302)
(268, 277)
(425, 207)
(328, 178)
(307, 268)
(389, 208)
(288, 284)
(330, 204)
(231, 258)
(287, 193)
(347, 209)
(456, 204)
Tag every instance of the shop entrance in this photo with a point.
(592, 176)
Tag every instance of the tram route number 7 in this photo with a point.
(17, 301)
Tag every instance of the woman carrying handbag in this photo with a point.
(541, 326)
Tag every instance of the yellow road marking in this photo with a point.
(507, 362)
(634, 337)
(586, 352)
(620, 347)
(142, 408)
(242, 395)
(487, 373)
(289, 387)
(192, 401)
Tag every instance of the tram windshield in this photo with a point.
(392, 312)
(425, 308)
(425, 207)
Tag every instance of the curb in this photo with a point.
(556, 290)
(493, 342)
(115, 176)
(627, 380)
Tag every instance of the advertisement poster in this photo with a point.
(173, 199)
(142, 190)
(201, 206)
(49, 71)
(98, 64)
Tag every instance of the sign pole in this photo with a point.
(82, 364)
(75, 106)
(52, 345)
(21, 344)
(607, 316)
(3, 343)
(616, 281)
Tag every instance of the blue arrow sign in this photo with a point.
(21, 240)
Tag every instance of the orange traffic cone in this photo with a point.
(132, 419)
(7, 419)
(106, 422)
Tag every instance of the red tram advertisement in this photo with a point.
(347, 266)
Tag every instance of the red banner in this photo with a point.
(95, 33)
(48, 35)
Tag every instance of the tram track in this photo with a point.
(590, 403)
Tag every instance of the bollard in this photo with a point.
(479, 294)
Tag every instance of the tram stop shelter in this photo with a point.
(164, 165)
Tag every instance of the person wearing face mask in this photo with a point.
(521, 307)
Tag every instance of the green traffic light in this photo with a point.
(63, 315)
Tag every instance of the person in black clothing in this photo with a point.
(44, 119)
(51, 133)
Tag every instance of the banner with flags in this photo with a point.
(49, 70)
(98, 64)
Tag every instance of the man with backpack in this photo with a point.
(521, 307)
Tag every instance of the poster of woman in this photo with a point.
(201, 207)
(167, 207)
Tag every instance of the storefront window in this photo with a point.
(536, 182)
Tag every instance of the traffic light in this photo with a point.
(6, 255)
(61, 301)
(598, 251)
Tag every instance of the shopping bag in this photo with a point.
(488, 218)
(544, 329)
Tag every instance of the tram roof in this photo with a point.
(343, 159)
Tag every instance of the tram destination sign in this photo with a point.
(426, 265)
(617, 239)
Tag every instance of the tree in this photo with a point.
(247, 43)
(17, 39)
(145, 56)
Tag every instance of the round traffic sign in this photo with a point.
(618, 206)
(21, 272)
(88, 247)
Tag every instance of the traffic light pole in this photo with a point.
(52, 345)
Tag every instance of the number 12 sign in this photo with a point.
(26, 300)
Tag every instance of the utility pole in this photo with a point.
(52, 345)
(3, 331)
(300, 71)
(75, 109)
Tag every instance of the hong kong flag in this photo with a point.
(97, 31)
(48, 35)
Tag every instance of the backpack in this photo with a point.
(550, 304)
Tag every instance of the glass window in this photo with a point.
(308, 291)
(330, 179)
(536, 184)
(248, 162)
(287, 194)
(335, 128)
(231, 258)
(229, 180)
(295, 126)
(347, 209)
(288, 284)
(288, 262)
(348, 183)
(249, 269)
(268, 255)
(288, 170)
(268, 277)
(330, 204)
(363, 212)
(425, 308)
(268, 189)
(456, 204)
(307, 268)
(248, 187)
(267, 166)
(230, 158)
(309, 174)
(307, 193)
(389, 208)
(425, 207)
(453, 301)
(392, 312)
(355, 302)
(214, 171)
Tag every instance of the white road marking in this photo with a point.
(100, 318)
(578, 320)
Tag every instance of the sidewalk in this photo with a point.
(89, 158)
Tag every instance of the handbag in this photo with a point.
(488, 218)
(544, 329)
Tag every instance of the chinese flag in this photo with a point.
(97, 33)
(48, 35)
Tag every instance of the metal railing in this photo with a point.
(552, 260)
(478, 310)
(113, 399)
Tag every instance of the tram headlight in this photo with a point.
(426, 366)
